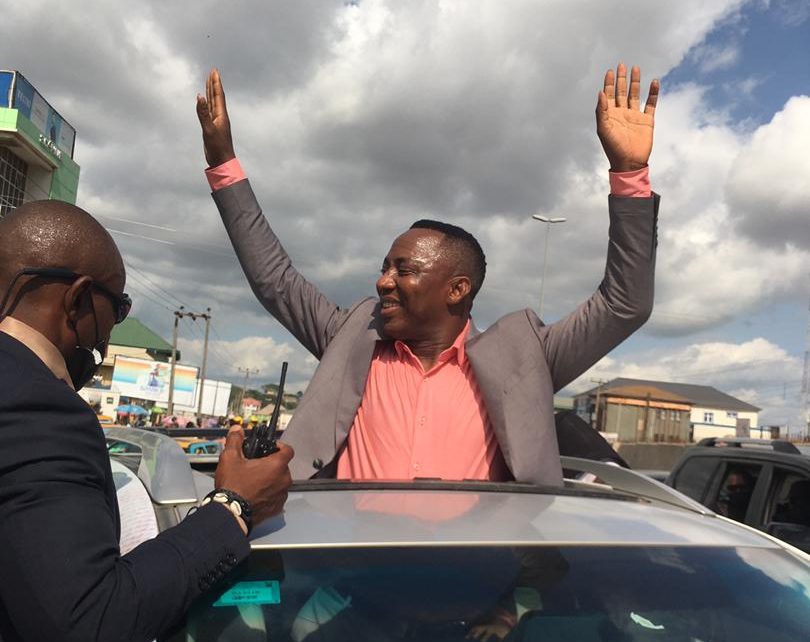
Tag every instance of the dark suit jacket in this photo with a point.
(61, 574)
(518, 362)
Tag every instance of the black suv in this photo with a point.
(762, 483)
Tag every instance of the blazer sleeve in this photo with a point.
(295, 303)
(62, 575)
(621, 304)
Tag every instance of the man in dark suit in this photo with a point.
(63, 578)
(407, 386)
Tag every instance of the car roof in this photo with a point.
(627, 509)
(746, 453)
(328, 513)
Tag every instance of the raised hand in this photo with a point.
(626, 132)
(216, 126)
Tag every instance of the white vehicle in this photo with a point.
(627, 559)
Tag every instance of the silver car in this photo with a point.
(622, 559)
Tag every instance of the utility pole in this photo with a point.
(806, 381)
(207, 317)
(599, 383)
(179, 314)
(248, 372)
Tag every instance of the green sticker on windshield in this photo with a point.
(264, 592)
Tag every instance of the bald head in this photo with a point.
(58, 234)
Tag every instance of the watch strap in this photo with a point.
(233, 501)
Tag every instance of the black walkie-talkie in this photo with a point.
(262, 439)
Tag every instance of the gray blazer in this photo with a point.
(518, 362)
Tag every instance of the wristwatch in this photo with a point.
(234, 502)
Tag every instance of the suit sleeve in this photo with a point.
(63, 576)
(621, 304)
(295, 303)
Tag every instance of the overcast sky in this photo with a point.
(353, 119)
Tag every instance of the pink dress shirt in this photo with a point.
(413, 423)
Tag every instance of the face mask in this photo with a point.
(85, 362)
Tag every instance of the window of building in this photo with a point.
(708, 417)
(731, 414)
(13, 171)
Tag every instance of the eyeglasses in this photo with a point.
(122, 303)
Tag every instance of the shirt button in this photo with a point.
(416, 466)
(422, 420)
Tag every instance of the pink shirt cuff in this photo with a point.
(633, 184)
(222, 176)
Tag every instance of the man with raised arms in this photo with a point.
(407, 386)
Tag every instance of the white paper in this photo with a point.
(138, 521)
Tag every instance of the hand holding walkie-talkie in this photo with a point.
(262, 439)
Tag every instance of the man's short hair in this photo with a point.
(470, 255)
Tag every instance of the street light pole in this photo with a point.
(548, 221)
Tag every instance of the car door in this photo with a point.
(785, 513)
(695, 476)
(737, 490)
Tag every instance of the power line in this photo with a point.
(149, 297)
(139, 236)
(153, 294)
(173, 299)
(221, 342)
(223, 361)
(133, 222)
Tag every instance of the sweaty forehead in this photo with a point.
(57, 234)
(420, 245)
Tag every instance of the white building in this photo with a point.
(712, 413)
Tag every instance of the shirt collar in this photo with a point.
(39, 344)
(456, 349)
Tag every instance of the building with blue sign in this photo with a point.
(36, 147)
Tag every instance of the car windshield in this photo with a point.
(525, 593)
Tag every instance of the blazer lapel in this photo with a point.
(486, 357)
(355, 376)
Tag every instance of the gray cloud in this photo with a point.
(354, 120)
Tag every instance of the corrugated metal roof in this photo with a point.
(638, 391)
(698, 395)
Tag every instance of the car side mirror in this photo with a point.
(795, 534)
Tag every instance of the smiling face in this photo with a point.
(417, 286)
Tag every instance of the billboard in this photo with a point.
(29, 102)
(215, 399)
(144, 379)
(6, 80)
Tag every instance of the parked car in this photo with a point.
(162, 467)
(762, 483)
(625, 559)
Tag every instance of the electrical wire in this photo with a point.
(159, 290)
